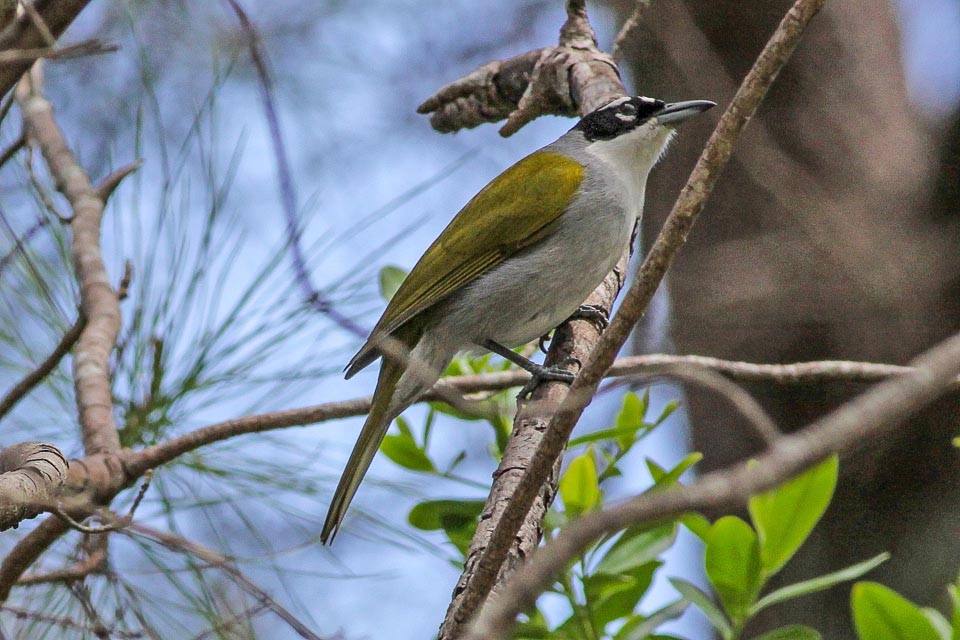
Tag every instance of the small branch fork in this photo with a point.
(573, 77)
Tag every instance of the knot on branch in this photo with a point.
(570, 78)
(31, 474)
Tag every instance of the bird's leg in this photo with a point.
(594, 313)
(538, 372)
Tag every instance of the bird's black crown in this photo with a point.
(618, 117)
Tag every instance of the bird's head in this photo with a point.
(636, 129)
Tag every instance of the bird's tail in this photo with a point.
(395, 392)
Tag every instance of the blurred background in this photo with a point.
(832, 234)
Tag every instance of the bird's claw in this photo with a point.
(547, 374)
(594, 313)
(542, 343)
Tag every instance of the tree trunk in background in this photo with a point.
(833, 234)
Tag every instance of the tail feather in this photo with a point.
(393, 394)
(374, 429)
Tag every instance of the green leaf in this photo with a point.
(880, 613)
(629, 420)
(445, 514)
(637, 546)
(612, 596)
(702, 601)
(696, 524)
(792, 632)
(457, 518)
(813, 585)
(667, 412)
(733, 565)
(785, 516)
(614, 433)
(662, 477)
(579, 486)
(404, 451)
(640, 627)
(390, 280)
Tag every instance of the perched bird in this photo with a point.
(517, 261)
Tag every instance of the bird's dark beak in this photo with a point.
(674, 114)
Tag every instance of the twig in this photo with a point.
(12, 150)
(799, 373)
(38, 22)
(109, 184)
(114, 522)
(98, 301)
(178, 543)
(853, 426)
(81, 49)
(288, 197)
(685, 211)
(757, 418)
(45, 199)
(629, 26)
(124, 287)
(19, 244)
(68, 623)
(93, 563)
(35, 377)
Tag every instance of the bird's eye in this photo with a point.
(628, 109)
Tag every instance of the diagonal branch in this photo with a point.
(35, 377)
(851, 427)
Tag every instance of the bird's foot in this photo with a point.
(594, 313)
(542, 373)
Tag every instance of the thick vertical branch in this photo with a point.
(98, 300)
(593, 81)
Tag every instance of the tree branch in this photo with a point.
(98, 300)
(94, 562)
(685, 211)
(137, 462)
(35, 377)
(854, 425)
(31, 474)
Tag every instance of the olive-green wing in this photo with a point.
(512, 212)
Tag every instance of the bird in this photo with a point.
(519, 259)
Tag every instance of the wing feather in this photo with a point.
(512, 212)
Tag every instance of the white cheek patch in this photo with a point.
(617, 102)
(625, 117)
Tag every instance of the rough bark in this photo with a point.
(31, 474)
